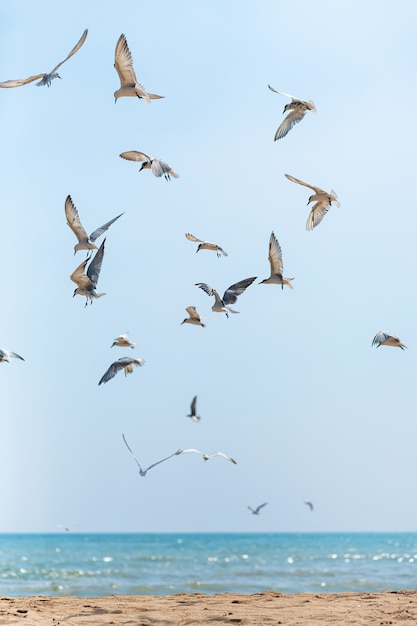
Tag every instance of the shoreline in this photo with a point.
(181, 609)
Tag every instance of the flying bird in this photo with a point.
(309, 504)
(229, 297)
(123, 341)
(46, 78)
(6, 354)
(323, 201)
(258, 508)
(194, 317)
(142, 471)
(385, 339)
(157, 167)
(275, 260)
(193, 410)
(298, 108)
(206, 245)
(206, 457)
(85, 242)
(87, 282)
(126, 363)
(129, 85)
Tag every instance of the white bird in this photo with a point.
(123, 341)
(87, 282)
(193, 410)
(157, 167)
(298, 108)
(275, 260)
(6, 354)
(323, 200)
(194, 317)
(126, 363)
(206, 245)
(258, 508)
(206, 457)
(309, 504)
(142, 471)
(48, 77)
(229, 297)
(85, 242)
(385, 339)
(129, 85)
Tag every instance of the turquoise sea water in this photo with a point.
(161, 564)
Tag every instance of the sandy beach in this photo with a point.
(258, 609)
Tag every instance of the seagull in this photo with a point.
(206, 457)
(206, 245)
(193, 410)
(299, 109)
(258, 508)
(275, 260)
(87, 282)
(46, 78)
(6, 354)
(142, 471)
(123, 341)
(157, 166)
(194, 317)
(126, 363)
(385, 339)
(85, 242)
(229, 297)
(129, 85)
(309, 504)
(323, 200)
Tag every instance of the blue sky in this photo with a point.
(290, 387)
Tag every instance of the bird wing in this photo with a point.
(300, 182)
(190, 450)
(135, 155)
(160, 167)
(79, 276)
(380, 337)
(16, 356)
(99, 231)
(193, 408)
(258, 508)
(73, 220)
(162, 460)
(281, 93)
(231, 294)
(209, 290)
(292, 118)
(191, 237)
(20, 81)
(317, 213)
(73, 51)
(192, 312)
(114, 368)
(124, 64)
(94, 268)
(128, 447)
(225, 456)
(275, 255)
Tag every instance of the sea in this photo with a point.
(163, 564)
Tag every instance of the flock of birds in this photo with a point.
(86, 274)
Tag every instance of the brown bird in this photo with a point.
(206, 245)
(275, 260)
(385, 339)
(194, 317)
(298, 108)
(323, 201)
(129, 85)
(157, 167)
(126, 363)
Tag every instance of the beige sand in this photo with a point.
(259, 609)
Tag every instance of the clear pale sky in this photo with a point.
(290, 387)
